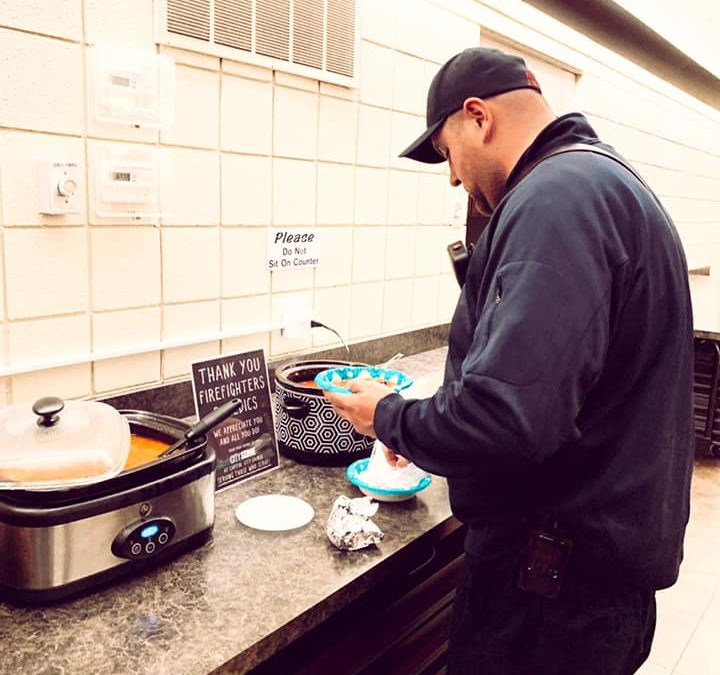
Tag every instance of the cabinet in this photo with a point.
(706, 402)
(398, 627)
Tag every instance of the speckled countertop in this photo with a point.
(230, 604)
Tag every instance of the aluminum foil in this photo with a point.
(350, 527)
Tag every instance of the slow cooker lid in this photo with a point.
(55, 444)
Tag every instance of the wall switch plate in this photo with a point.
(58, 187)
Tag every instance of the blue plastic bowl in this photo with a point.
(354, 474)
(324, 379)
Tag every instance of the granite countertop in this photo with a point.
(230, 604)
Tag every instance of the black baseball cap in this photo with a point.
(477, 71)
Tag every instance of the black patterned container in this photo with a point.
(308, 428)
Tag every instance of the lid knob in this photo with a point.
(47, 409)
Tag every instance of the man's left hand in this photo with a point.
(358, 408)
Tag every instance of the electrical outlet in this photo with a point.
(296, 322)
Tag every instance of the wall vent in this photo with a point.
(313, 38)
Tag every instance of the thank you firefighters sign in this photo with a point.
(292, 249)
(244, 443)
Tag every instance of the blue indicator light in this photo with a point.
(149, 531)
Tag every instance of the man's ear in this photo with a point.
(479, 112)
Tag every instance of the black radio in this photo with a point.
(460, 258)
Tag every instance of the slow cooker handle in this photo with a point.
(295, 407)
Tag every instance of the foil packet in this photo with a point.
(349, 525)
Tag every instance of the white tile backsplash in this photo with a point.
(424, 301)
(47, 271)
(280, 304)
(241, 313)
(409, 87)
(294, 184)
(191, 188)
(246, 190)
(20, 153)
(431, 198)
(366, 302)
(191, 263)
(44, 340)
(128, 23)
(54, 102)
(368, 261)
(295, 121)
(397, 310)
(429, 247)
(376, 74)
(403, 198)
(67, 382)
(336, 247)
(373, 148)
(244, 261)
(371, 196)
(197, 97)
(448, 294)
(336, 192)
(185, 321)
(125, 267)
(61, 18)
(400, 252)
(405, 129)
(332, 308)
(246, 115)
(377, 21)
(337, 130)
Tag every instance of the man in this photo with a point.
(564, 424)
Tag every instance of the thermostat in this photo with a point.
(58, 187)
(128, 184)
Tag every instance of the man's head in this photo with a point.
(484, 107)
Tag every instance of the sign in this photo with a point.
(292, 249)
(245, 442)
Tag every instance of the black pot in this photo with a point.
(308, 428)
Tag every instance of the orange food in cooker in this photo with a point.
(143, 450)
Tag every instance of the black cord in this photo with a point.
(317, 324)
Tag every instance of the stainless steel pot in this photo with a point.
(308, 428)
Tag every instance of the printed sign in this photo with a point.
(244, 443)
(292, 249)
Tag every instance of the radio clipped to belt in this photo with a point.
(460, 258)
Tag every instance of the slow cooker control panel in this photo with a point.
(144, 539)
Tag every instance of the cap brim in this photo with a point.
(422, 150)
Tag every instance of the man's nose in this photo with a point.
(454, 180)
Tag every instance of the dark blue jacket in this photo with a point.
(568, 382)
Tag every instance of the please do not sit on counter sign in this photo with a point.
(292, 249)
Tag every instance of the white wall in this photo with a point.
(252, 148)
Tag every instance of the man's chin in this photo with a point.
(482, 207)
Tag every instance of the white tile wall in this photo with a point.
(19, 154)
(373, 136)
(366, 301)
(250, 148)
(47, 272)
(61, 18)
(293, 192)
(244, 261)
(191, 264)
(397, 309)
(48, 339)
(241, 312)
(400, 252)
(371, 196)
(295, 120)
(336, 250)
(54, 101)
(125, 267)
(336, 191)
(128, 23)
(191, 190)
(332, 307)
(246, 115)
(246, 190)
(185, 321)
(337, 130)
(197, 97)
(126, 329)
(368, 260)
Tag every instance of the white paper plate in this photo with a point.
(274, 512)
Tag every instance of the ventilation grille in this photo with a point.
(316, 34)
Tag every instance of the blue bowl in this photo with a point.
(324, 379)
(354, 474)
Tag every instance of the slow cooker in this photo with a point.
(308, 428)
(57, 542)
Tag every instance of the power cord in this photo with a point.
(317, 324)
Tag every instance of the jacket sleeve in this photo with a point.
(536, 352)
